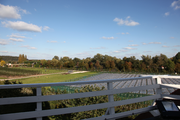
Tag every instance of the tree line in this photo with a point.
(158, 63)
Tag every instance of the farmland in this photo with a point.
(27, 71)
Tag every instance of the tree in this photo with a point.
(98, 57)
(170, 66)
(65, 59)
(3, 63)
(76, 60)
(112, 64)
(71, 64)
(60, 64)
(91, 65)
(22, 58)
(56, 57)
(107, 64)
(86, 66)
(128, 66)
(97, 64)
(176, 58)
(54, 62)
(177, 67)
(82, 64)
(43, 62)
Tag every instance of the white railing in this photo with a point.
(39, 113)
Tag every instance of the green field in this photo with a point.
(43, 70)
(56, 78)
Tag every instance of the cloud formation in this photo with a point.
(154, 43)
(126, 22)
(177, 46)
(22, 26)
(29, 47)
(175, 4)
(3, 42)
(11, 12)
(98, 48)
(123, 33)
(134, 45)
(46, 28)
(108, 38)
(16, 36)
(151, 43)
(167, 13)
(165, 46)
(17, 40)
(129, 48)
(172, 37)
(52, 41)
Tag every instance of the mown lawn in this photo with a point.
(56, 78)
(43, 70)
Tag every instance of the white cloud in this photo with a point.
(177, 46)
(172, 37)
(35, 9)
(129, 48)
(122, 33)
(130, 40)
(154, 43)
(11, 12)
(98, 48)
(147, 51)
(52, 41)
(46, 28)
(144, 43)
(22, 26)
(127, 33)
(17, 40)
(167, 13)
(119, 51)
(16, 36)
(126, 22)
(64, 41)
(128, 17)
(83, 55)
(175, 4)
(108, 38)
(165, 46)
(3, 51)
(3, 42)
(134, 45)
(28, 47)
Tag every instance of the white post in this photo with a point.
(110, 98)
(158, 90)
(38, 104)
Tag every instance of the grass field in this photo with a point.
(56, 78)
(43, 70)
(2, 77)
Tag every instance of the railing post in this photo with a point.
(158, 90)
(38, 104)
(110, 98)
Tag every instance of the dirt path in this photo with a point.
(41, 75)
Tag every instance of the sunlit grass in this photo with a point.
(44, 70)
(55, 78)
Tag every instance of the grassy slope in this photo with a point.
(55, 78)
(43, 70)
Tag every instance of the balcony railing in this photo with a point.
(38, 99)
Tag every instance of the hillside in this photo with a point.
(9, 58)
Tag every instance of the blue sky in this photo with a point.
(42, 29)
